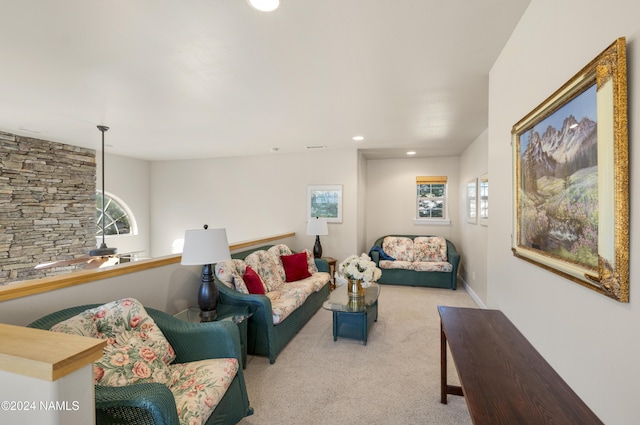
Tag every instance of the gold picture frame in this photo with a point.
(571, 179)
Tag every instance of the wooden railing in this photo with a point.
(45, 284)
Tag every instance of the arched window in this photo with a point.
(118, 219)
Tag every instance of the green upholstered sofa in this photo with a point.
(437, 275)
(264, 338)
(153, 402)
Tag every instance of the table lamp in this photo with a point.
(317, 226)
(206, 247)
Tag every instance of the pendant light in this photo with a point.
(103, 251)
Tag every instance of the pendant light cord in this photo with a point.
(103, 128)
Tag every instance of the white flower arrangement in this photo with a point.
(360, 268)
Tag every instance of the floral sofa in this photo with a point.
(290, 289)
(416, 260)
(155, 368)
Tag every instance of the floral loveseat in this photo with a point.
(416, 260)
(157, 369)
(289, 290)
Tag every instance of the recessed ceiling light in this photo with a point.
(358, 138)
(411, 153)
(265, 5)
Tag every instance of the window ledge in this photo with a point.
(432, 222)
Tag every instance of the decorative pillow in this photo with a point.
(311, 261)
(268, 268)
(81, 324)
(225, 272)
(430, 248)
(253, 281)
(230, 274)
(295, 266)
(276, 252)
(398, 247)
(136, 350)
(128, 359)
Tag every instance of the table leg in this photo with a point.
(335, 326)
(365, 322)
(443, 366)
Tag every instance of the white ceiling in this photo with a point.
(208, 78)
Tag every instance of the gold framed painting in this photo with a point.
(571, 179)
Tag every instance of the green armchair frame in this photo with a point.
(153, 403)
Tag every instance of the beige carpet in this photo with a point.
(394, 379)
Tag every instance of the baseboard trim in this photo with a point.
(472, 294)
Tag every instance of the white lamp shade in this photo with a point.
(205, 246)
(317, 226)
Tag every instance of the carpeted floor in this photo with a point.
(394, 379)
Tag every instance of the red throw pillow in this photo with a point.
(295, 266)
(253, 281)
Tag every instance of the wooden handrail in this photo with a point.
(45, 284)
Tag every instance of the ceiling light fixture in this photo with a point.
(264, 5)
(411, 153)
(358, 138)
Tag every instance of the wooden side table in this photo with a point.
(332, 270)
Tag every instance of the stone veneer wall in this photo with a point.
(47, 205)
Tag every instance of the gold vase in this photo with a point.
(354, 288)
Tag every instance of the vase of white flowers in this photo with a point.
(360, 272)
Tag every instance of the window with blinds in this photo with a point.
(431, 197)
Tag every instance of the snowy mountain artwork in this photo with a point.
(571, 178)
(559, 182)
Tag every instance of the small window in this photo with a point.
(117, 219)
(431, 197)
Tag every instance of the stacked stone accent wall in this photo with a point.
(47, 205)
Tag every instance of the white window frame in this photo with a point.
(444, 220)
(133, 231)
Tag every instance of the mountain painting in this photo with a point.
(559, 182)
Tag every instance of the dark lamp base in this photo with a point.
(317, 248)
(208, 316)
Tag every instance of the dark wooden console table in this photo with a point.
(503, 378)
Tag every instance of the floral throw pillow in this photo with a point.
(398, 247)
(136, 350)
(127, 359)
(430, 248)
(230, 274)
(267, 267)
(310, 260)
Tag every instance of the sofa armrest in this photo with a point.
(322, 265)
(375, 257)
(452, 254)
(198, 341)
(138, 401)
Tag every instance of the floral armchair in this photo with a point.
(157, 369)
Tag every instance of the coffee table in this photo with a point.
(353, 316)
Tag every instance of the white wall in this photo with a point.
(473, 237)
(591, 340)
(362, 205)
(253, 197)
(391, 197)
(170, 288)
(128, 179)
